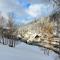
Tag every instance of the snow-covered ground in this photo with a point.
(24, 52)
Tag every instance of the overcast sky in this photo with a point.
(25, 10)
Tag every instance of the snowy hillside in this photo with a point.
(24, 52)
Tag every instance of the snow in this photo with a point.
(24, 52)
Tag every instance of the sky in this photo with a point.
(26, 10)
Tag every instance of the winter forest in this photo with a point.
(30, 29)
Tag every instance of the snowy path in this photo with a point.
(23, 52)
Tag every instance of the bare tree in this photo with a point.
(11, 26)
(1, 26)
(11, 29)
(55, 3)
(57, 18)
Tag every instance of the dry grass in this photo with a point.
(47, 29)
